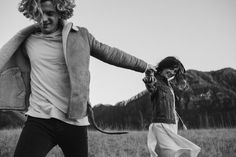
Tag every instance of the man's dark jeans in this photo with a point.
(39, 136)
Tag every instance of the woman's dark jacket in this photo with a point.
(163, 100)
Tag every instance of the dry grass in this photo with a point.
(214, 143)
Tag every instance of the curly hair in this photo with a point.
(32, 8)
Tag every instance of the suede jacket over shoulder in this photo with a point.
(78, 45)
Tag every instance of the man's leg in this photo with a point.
(35, 140)
(73, 140)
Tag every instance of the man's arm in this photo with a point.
(115, 56)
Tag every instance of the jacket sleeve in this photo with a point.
(115, 56)
(8, 49)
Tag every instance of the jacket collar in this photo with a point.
(65, 32)
(68, 26)
(163, 80)
(73, 27)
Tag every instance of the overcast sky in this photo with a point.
(201, 33)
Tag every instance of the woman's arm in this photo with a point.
(150, 81)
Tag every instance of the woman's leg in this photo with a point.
(35, 140)
(152, 142)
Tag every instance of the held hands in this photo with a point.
(150, 68)
(149, 74)
(149, 78)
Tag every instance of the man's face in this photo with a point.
(50, 18)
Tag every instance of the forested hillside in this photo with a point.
(210, 101)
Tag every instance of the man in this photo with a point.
(45, 70)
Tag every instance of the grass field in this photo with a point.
(213, 142)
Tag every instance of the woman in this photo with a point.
(163, 140)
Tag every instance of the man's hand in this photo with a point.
(150, 69)
(149, 78)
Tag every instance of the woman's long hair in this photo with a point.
(32, 8)
(172, 63)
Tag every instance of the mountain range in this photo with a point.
(209, 101)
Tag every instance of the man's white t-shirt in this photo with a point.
(50, 84)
